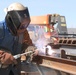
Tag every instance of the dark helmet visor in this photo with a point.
(19, 19)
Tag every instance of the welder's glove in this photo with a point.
(7, 58)
(30, 48)
(31, 55)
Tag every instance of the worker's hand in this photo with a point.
(32, 48)
(7, 58)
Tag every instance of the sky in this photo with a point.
(65, 8)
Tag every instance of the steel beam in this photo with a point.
(65, 65)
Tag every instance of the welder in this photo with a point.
(14, 38)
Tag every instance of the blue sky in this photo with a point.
(66, 8)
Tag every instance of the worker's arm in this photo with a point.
(26, 41)
(27, 44)
(26, 38)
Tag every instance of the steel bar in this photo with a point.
(61, 64)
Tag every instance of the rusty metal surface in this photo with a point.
(62, 64)
(33, 70)
(56, 59)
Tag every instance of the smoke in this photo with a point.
(42, 43)
(41, 39)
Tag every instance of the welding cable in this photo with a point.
(38, 69)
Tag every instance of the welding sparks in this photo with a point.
(42, 44)
(50, 50)
(43, 50)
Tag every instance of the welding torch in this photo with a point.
(19, 55)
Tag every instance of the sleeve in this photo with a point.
(27, 42)
(26, 38)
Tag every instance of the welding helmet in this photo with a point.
(17, 17)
